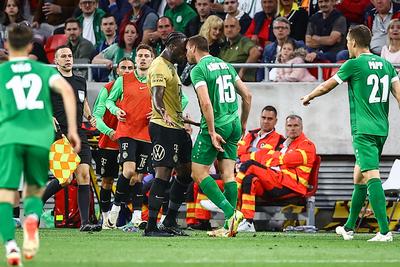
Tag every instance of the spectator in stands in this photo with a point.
(239, 49)
(50, 16)
(353, 10)
(109, 30)
(90, 20)
(391, 51)
(12, 14)
(297, 16)
(82, 49)
(290, 54)
(326, 32)
(277, 172)
(231, 8)
(128, 40)
(158, 38)
(281, 30)
(117, 8)
(250, 7)
(180, 13)
(264, 137)
(212, 30)
(260, 30)
(377, 19)
(144, 17)
(203, 8)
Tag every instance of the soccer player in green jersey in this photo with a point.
(26, 131)
(217, 85)
(369, 79)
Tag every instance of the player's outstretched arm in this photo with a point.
(208, 113)
(396, 90)
(245, 93)
(321, 89)
(61, 86)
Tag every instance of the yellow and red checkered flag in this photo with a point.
(63, 159)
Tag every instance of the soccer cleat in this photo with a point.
(347, 235)
(173, 229)
(31, 237)
(113, 217)
(105, 225)
(210, 206)
(90, 228)
(202, 225)
(138, 223)
(129, 228)
(382, 238)
(234, 221)
(157, 233)
(246, 226)
(221, 232)
(14, 257)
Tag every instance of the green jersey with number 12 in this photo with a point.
(220, 79)
(25, 105)
(369, 79)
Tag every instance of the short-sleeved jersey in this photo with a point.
(163, 73)
(25, 106)
(369, 79)
(220, 78)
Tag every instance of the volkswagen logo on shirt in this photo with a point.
(158, 152)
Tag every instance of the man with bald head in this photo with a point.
(239, 49)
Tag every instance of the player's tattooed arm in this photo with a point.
(157, 95)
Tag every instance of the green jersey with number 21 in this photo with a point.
(369, 79)
(25, 105)
(220, 78)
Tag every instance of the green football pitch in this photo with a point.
(63, 247)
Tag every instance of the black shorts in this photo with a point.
(85, 154)
(107, 163)
(135, 151)
(170, 146)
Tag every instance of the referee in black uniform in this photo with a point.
(64, 62)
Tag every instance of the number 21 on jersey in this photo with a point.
(374, 80)
(18, 84)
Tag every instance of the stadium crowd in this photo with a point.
(239, 31)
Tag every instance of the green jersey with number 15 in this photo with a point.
(25, 105)
(369, 79)
(220, 79)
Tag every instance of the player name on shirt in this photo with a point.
(374, 65)
(217, 66)
(21, 67)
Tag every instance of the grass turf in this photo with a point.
(68, 247)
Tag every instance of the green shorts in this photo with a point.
(16, 159)
(368, 150)
(204, 152)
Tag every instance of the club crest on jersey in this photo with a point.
(158, 152)
(81, 95)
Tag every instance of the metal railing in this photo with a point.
(267, 67)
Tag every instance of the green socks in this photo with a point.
(212, 191)
(378, 203)
(357, 202)
(33, 205)
(231, 193)
(7, 227)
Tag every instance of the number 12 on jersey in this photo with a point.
(226, 89)
(17, 85)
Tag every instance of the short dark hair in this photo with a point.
(294, 117)
(361, 34)
(19, 36)
(200, 42)
(72, 20)
(125, 59)
(61, 47)
(270, 108)
(108, 15)
(173, 37)
(145, 46)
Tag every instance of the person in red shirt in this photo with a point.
(107, 164)
(279, 171)
(133, 126)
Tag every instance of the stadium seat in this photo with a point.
(52, 43)
(326, 72)
(392, 185)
